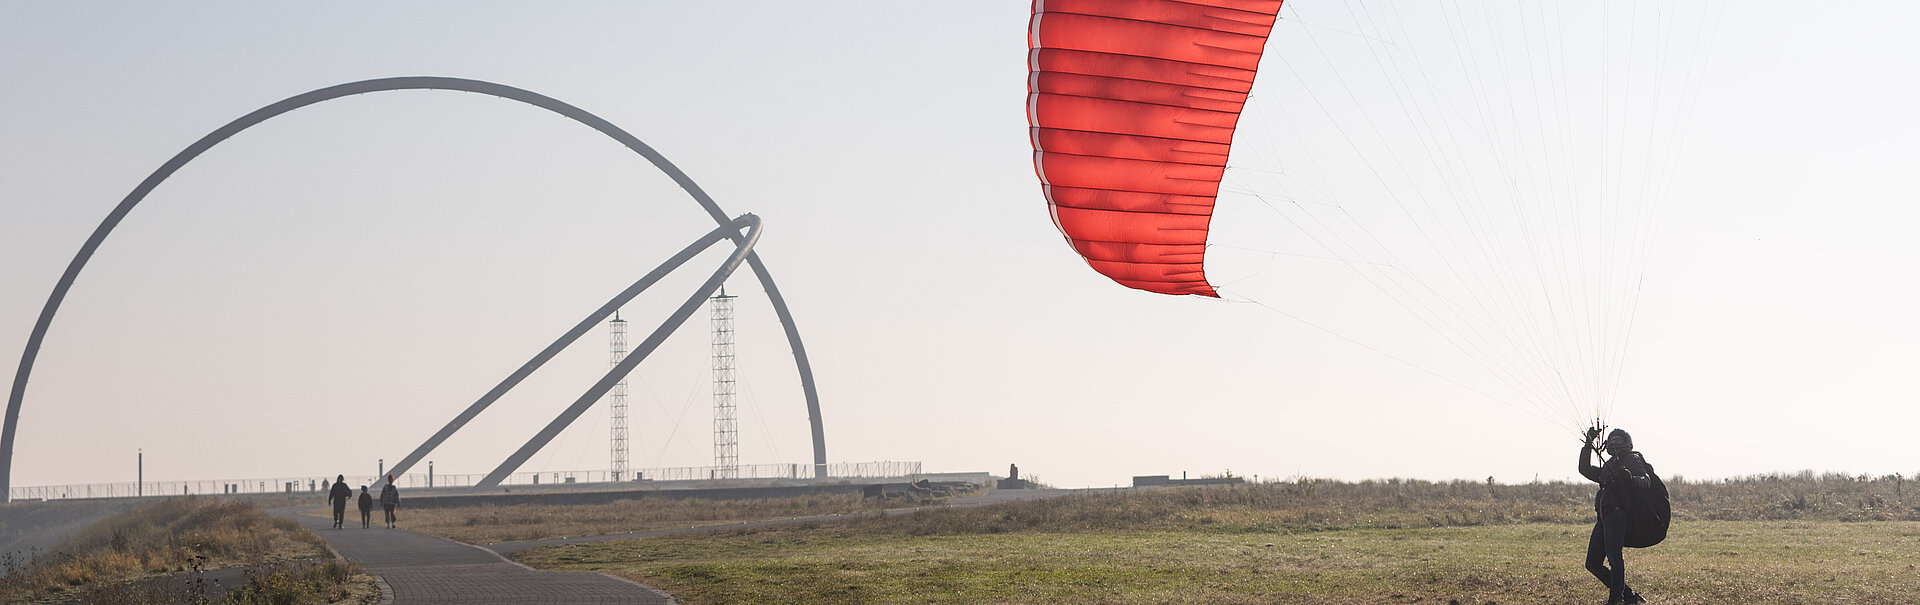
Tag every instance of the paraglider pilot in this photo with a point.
(1623, 470)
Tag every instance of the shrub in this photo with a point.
(162, 536)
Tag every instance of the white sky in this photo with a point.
(329, 287)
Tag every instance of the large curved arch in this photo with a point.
(576, 114)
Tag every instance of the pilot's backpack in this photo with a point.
(1648, 512)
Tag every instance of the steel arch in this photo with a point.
(576, 114)
(633, 359)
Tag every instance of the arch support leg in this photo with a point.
(726, 231)
(743, 247)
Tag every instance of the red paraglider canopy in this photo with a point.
(1132, 106)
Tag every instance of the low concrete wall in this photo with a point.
(603, 497)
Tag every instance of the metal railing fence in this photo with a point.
(317, 485)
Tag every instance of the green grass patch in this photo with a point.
(1705, 562)
(1774, 539)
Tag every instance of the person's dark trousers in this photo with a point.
(339, 515)
(390, 518)
(1609, 535)
(366, 518)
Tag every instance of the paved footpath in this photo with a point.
(421, 569)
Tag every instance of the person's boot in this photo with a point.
(1633, 598)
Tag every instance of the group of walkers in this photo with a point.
(340, 493)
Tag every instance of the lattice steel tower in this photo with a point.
(726, 429)
(617, 400)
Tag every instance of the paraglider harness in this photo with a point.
(1648, 509)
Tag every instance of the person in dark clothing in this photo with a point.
(366, 508)
(1624, 472)
(338, 497)
(389, 500)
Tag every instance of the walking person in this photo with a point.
(389, 499)
(338, 497)
(1623, 473)
(366, 508)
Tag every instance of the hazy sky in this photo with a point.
(329, 287)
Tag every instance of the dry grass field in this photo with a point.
(491, 524)
(1777, 539)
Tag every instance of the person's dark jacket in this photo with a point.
(339, 495)
(1617, 477)
(366, 501)
(389, 495)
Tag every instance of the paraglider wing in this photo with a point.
(1132, 106)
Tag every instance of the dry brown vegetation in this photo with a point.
(1799, 496)
(492, 524)
(303, 582)
(1319, 505)
(174, 535)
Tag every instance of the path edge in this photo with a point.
(656, 591)
(380, 582)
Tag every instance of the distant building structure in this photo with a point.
(1013, 480)
(1168, 480)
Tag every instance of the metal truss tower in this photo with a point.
(617, 400)
(726, 428)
